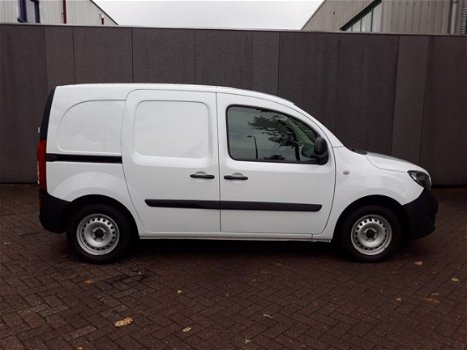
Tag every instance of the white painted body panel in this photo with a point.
(385, 162)
(166, 177)
(91, 127)
(70, 181)
(143, 175)
(364, 179)
(70, 99)
(273, 182)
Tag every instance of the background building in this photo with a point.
(390, 16)
(77, 12)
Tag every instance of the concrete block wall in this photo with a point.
(403, 95)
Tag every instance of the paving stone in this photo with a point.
(230, 295)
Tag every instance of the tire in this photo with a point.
(370, 233)
(99, 233)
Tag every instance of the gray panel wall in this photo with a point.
(60, 56)
(410, 97)
(396, 94)
(103, 56)
(164, 56)
(223, 58)
(444, 130)
(308, 73)
(366, 86)
(23, 92)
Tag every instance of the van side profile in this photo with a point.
(118, 162)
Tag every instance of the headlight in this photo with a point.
(423, 179)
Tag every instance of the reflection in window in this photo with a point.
(357, 26)
(366, 21)
(262, 135)
(376, 23)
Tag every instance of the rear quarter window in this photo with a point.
(92, 127)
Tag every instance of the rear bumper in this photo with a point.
(421, 214)
(52, 212)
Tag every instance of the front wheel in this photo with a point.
(370, 233)
(99, 233)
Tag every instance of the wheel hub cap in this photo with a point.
(98, 234)
(371, 234)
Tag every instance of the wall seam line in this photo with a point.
(278, 63)
(396, 75)
(45, 54)
(74, 57)
(132, 56)
(428, 62)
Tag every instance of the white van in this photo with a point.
(117, 162)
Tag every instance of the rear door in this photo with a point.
(170, 160)
(269, 186)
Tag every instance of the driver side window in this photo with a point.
(256, 134)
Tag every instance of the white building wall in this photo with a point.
(333, 14)
(398, 16)
(85, 12)
(8, 11)
(416, 16)
(79, 12)
(460, 17)
(51, 12)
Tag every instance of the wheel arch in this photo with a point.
(81, 202)
(384, 201)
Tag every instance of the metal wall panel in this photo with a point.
(332, 15)
(23, 91)
(366, 90)
(60, 56)
(404, 95)
(410, 94)
(82, 12)
(460, 26)
(8, 11)
(308, 73)
(398, 16)
(86, 13)
(416, 16)
(265, 62)
(164, 56)
(223, 57)
(51, 11)
(444, 133)
(103, 56)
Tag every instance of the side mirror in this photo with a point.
(321, 150)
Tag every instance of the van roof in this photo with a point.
(123, 89)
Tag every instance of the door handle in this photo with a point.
(236, 176)
(202, 175)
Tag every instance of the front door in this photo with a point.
(170, 160)
(269, 180)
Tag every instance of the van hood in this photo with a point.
(385, 162)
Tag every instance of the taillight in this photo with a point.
(41, 178)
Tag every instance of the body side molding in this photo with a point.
(232, 205)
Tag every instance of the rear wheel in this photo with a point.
(370, 233)
(99, 233)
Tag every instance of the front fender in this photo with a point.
(357, 178)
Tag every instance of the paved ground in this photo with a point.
(223, 295)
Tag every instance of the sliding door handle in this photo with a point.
(236, 176)
(202, 175)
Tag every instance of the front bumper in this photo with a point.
(421, 214)
(52, 212)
